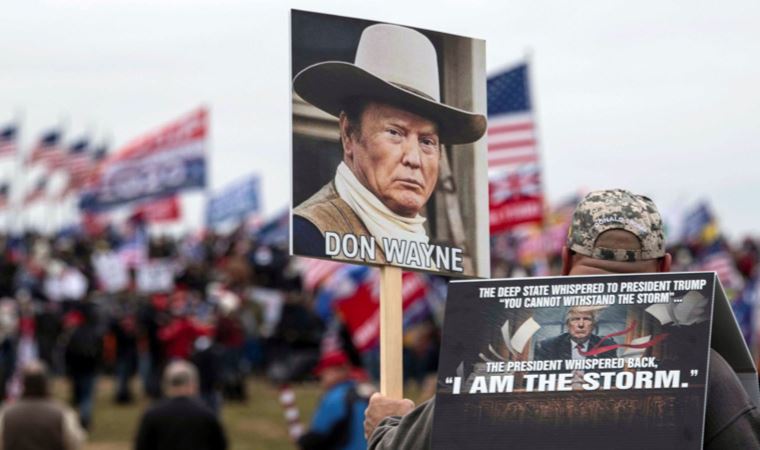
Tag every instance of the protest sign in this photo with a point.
(413, 196)
(389, 159)
(156, 275)
(157, 164)
(160, 210)
(235, 202)
(111, 271)
(511, 368)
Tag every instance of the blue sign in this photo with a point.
(157, 164)
(235, 202)
(144, 179)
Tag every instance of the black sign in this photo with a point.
(575, 363)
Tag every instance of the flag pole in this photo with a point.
(391, 333)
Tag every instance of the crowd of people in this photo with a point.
(234, 306)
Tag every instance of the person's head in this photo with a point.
(180, 379)
(392, 119)
(580, 322)
(393, 153)
(35, 381)
(615, 231)
(333, 367)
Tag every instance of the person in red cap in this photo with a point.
(338, 421)
(82, 356)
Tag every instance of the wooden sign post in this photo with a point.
(391, 333)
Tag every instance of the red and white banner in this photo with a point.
(158, 164)
(515, 199)
(361, 311)
(514, 167)
(162, 210)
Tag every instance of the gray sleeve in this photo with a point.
(413, 431)
(731, 420)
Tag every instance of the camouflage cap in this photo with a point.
(616, 209)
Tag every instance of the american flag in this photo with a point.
(511, 128)
(37, 192)
(723, 264)
(315, 271)
(100, 153)
(8, 140)
(516, 195)
(522, 181)
(90, 176)
(78, 159)
(47, 151)
(4, 195)
(134, 250)
(82, 165)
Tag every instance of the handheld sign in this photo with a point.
(389, 153)
(618, 361)
(156, 275)
(110, 271)
(389, 158)
(235, 202)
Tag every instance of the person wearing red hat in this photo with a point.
(338, 421)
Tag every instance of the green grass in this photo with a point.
(257, 424)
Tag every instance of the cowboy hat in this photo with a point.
(396, 65)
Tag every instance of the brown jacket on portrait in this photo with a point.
(328, 212)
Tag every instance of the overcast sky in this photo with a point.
(660, 97)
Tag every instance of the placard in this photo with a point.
(157, 164)
(156, 275)
(511, 368)
(234, 202)
(111, 271)
(389, 153)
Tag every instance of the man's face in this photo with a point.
(579, 326)
(395, 156)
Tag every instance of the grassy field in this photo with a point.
(257, 424)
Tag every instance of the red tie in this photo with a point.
(579, 347)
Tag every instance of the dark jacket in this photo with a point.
(559, 347)
(180, 423)
(731, 421)
(83, 351)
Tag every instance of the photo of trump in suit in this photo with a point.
(578, 340)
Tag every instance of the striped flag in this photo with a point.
(78, 162)
(37, 192)
(47, 151)
(516, 195)
(89, 178)
(4, 195)
(511, 129)
(315, 271)
(100, 153)
(77, 159)
(723, 264)
(8, 136)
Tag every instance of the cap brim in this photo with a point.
(328, 85)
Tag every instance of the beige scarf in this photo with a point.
(379, 220)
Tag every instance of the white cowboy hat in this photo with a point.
(393, 64)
